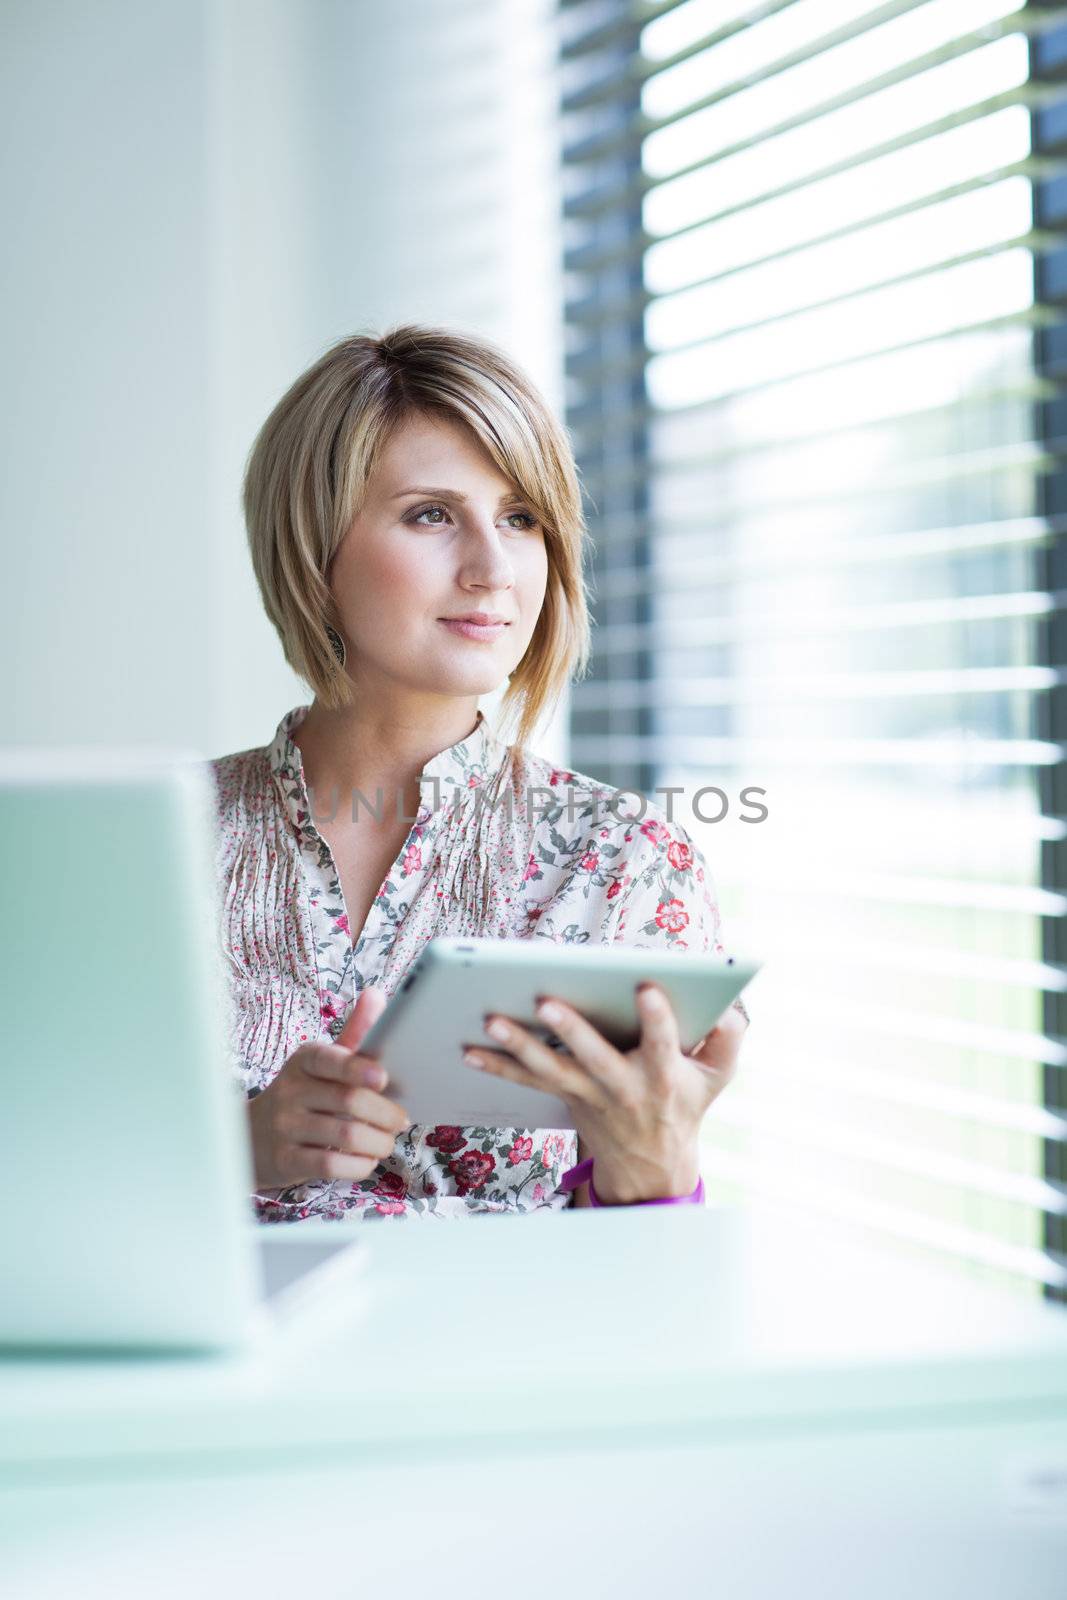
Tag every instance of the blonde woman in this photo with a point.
(416, 530)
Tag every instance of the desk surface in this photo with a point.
(696, 1322)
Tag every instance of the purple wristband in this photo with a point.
(584, 1170)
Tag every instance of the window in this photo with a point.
(813, 260)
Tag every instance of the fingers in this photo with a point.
(599, 1058)
(538, 1066)
(312, 1128)
(733, 1021)
(659, 1044)
(308, 1162)
(323, 1117)
(738, 1005)
(569, 1085)
(357, 1105)
(337, 1065)
(720, 1049)
(370, 1003)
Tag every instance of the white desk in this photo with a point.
(619, 1402)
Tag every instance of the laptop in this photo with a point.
(127, 1163)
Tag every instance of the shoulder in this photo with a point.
(613, 860)
(630, 817)
(241, 775)
(241, 784)
(631, 834)
(537, 773)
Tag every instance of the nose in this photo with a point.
(486, 561)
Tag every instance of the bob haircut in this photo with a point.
(306, 478)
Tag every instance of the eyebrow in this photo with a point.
(454, 494)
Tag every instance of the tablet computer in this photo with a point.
(441, 1005)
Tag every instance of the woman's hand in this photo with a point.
(323, 1115)
(637, 1114)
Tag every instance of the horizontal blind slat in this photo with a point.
(896, 1023)
(928, 960)
(882, 1088)
(1002, 459)
(845, 686)
(593, 425)
(695, 632)
(910, 890)
(603, 35)
(936, 1166)
(733, 565)
(713, 752)
(851, 1206)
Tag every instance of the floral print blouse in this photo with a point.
(564, 869)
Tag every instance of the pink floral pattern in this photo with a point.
(295, 967)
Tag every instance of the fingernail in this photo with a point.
(471, 1060)
(497, 1029)
(548, 1012)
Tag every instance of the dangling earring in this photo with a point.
(337, 644)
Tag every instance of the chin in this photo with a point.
(477, 678)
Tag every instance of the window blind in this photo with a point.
(815, 269)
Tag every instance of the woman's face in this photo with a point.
(442, 535)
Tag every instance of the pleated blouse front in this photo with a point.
(295, 965)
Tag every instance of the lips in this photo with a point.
(466, 629)
(482, 618)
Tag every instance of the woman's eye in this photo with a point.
(434, 516)
(438, 513)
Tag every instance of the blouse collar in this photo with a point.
(466, 764)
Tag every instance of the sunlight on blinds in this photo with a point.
(825, 584)
(936, 754)
(962, 158)
(749, 112)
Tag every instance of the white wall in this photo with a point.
(201, 198)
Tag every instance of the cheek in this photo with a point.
(382, 579)
(532, 573)
(407, 570)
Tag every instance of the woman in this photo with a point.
(415, 524)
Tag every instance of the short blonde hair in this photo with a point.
(307, 472)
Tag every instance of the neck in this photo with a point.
(377, 746)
